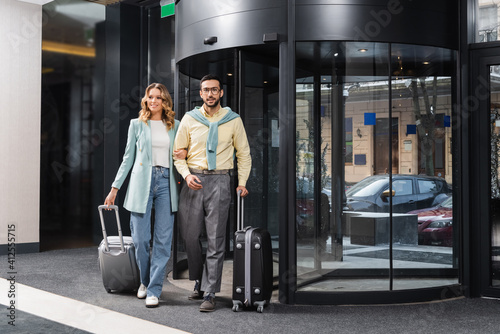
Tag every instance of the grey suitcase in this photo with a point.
(117, 258)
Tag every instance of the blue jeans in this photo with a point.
(152, 265)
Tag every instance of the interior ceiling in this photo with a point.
(72, 22)
(132, 2)
(104, 2)
(368, 61)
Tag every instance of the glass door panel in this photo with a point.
(341, 89)
(421, 89)
(188, 88)
(365, 209)
(260, 106)
(495, 176)
(250, 84)
(373, 149)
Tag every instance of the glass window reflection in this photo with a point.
(495, 176)
(488, 22)
(70, 125)
(366, 138)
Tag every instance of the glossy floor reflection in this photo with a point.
(368, 259)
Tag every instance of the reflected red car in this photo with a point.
(435, 225)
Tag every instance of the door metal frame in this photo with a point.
(482, 57)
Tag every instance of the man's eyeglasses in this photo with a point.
(214, 90)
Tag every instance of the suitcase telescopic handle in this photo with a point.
(105, 236)
(239, 212)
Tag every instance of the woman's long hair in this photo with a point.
(167, 115)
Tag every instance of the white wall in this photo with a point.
(20, 94)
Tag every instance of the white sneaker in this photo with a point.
(142, 292)
(151, 301)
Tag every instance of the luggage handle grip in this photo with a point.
(239, 213)
(104, 234)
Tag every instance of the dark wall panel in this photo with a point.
(433, 23)
(99, 189)
(161, 49)
(238, 23)
(125, 66)
(234, 22)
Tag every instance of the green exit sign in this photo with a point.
(168, 10)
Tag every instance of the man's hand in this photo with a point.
(193, 182)
(244, 191)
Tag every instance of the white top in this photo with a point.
(160, 143)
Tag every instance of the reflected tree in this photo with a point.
(299, 147)
(425, 118)
(325, 178)
(495, 151)
(304, 167)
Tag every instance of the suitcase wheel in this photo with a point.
(260, 306)
(236, 305)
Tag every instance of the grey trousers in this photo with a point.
(205, 208)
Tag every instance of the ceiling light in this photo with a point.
(46, 70)
(37, 2)
(71, 49)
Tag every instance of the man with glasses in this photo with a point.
(211, 135)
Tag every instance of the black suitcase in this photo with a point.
(117, 258)
(252, 265)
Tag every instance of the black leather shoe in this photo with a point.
(197, 294)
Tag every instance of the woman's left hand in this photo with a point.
(180, 154)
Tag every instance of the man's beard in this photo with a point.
(212, 103)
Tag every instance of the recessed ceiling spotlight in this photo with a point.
(336, 54)
(426, 62)
(362, 50)
(230, 74)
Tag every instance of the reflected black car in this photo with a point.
(409, 192)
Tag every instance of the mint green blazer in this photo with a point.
(137, 157)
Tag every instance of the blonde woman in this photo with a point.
(149, 154)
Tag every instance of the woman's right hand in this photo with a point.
(110, 199)
(180, 154)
